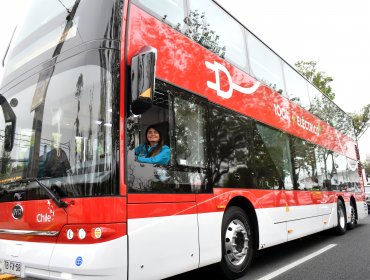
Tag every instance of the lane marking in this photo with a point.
(296, 263)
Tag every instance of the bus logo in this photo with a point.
(217, 68)
(17, 212)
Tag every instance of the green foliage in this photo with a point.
(361, 121)
(200, 31)
(318, 78)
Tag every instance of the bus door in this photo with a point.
(162, 211)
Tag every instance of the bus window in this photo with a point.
(171, 12)
(271, 158)
(190, 132)
(182, 174)
(305, 171)
(65, 137)
(145, 176)
(30, 38)
(265, 65)
(296, 87)
(353, 178)
(224, 36)
(320, 155)
(332, 169)
(319, 106)
(230, 150)
(341, 164)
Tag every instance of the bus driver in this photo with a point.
(153, 151)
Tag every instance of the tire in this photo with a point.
(237, 243)
(341, 228)
(352, 223)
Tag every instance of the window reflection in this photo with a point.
(305, 170)
(171, 12)
(247, 155)
(211, 27)
(324, 165)
(205, 23)
(353, 177)
(190, 132)
(296, 87)
(230, 150)
(271, 157)
(64, 131)
(40, 13)
(327, 110)
(265, 65)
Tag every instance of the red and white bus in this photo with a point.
(258, 155)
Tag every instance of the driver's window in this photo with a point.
(149, 149)
(152, 141)
(167, 144)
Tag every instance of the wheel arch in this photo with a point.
(341, 199)
(250, 211)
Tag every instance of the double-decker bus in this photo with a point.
(257, 155)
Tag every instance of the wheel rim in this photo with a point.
(341, 218)
(236, 242)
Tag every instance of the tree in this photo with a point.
(199, 30)
(318, 78)
(361, 121)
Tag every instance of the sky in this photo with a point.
(334, 33)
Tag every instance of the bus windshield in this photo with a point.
(63, 132)
(57, 123)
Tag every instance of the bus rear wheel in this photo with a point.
(237, 243)
(352, 223)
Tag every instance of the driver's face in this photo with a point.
(152, 136)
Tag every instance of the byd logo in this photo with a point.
(217, 68)
(17, 212)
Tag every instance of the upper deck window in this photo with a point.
(40, 13)
(205, 23)
(296, 87)
(327, 110)
(35, 36)
(265, 65)
(171, 12)
(211, 27)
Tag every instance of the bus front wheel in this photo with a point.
(340, 229)
(237, 243)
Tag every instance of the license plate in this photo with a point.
(14, 268)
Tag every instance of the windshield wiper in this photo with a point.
(53, 196)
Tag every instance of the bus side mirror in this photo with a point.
(143, 80)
